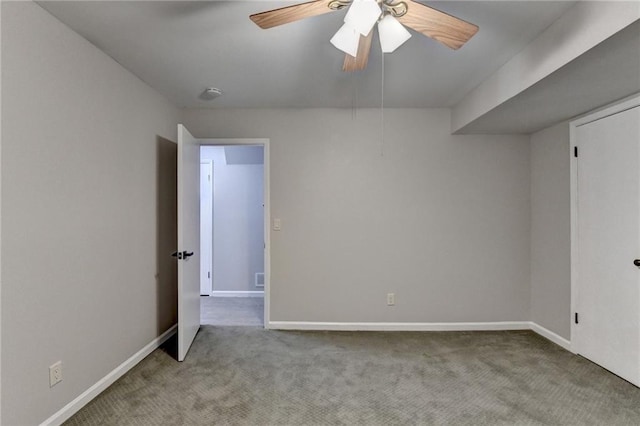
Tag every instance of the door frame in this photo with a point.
(264, 142)
(210, 239)
(625, 104)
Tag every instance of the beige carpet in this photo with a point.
(250, 376)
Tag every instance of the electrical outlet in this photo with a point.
(391, 299)
(55, 374)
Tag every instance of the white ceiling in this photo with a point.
(180, 48)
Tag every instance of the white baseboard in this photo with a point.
(221, 293)
(550, 335)
(422, 326)
(399, 326)
(74, 406)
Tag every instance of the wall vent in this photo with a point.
(259, 281)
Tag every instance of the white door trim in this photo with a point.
(267, 209)
(210, 237)
(620, 106)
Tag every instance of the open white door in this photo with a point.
(188, 240)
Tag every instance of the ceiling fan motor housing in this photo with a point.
(395, 9)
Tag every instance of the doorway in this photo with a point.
(232, 234)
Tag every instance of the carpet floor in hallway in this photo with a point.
(232, 310)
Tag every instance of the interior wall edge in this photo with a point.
(550, 289)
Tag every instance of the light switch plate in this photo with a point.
(277, 224)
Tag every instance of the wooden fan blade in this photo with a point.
(362, 55)
(284, 15)
(448, 30)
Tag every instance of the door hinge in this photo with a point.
(209, 178)
(576, 318)
(208, 274)
(575, 151)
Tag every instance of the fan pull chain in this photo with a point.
(382, 111)
(354, 96)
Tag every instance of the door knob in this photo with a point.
(182, 254)
(637, 262)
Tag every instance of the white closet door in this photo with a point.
(188, 240)
(608, 242)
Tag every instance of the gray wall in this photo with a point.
(88, 213)
(238, 227)
(551, 230)
(442, 221)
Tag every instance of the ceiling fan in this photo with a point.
(354, 37)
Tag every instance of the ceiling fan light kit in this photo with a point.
(354, 37)
(363, 15)
(392, 34)
(346, 39)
